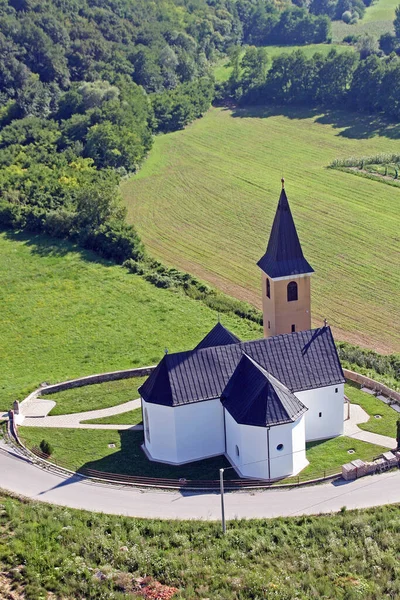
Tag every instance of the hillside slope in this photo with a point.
(205, 199)
(66, 314)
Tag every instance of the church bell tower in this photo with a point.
(286, 292)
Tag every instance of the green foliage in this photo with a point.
(163, 277)
(343, 556)
(369, 359)
(66, 314)
(95, 396)
(46, 447)
(131, 417)
(386, 425)
(222, 176)
(87, 448)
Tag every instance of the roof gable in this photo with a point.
(284, 256)
(253, 397)
(218, 336)
(300, 361)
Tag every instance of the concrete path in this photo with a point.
(18, 475)
(74, 420)
(351, 429)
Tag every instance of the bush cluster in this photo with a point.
(164, 277)
(369, 359)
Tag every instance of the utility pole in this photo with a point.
(221, 485)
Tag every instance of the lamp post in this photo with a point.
(221, 485)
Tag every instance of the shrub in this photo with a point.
(60, 223)
(46, 447)
(346, 16)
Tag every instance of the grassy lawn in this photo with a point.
(79, 447)
(346, 556)
(222, 69)
(204, 201)
(65, 314)
(387, 424)
(96, 396)
(131, 417)
(330, 455)
(378, 19)
(88, 448)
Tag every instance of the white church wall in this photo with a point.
(199, 430)
(159, 431)
(281, 450)
(251, 443)
(324, 418)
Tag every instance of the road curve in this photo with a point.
(20, 476)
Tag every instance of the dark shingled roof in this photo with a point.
(284, 255)
(301, 361)
(218, 336)
(253, 397)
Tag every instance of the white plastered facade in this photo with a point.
(324, 418)
(196, 431)
(266, 452)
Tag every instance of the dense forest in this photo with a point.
(84, 86)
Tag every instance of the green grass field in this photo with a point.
(387, 424)
(96, 396)
(131, 417)
(378, 19)
(65, 314)
(77, 448)
(204, 201)
(222, 69)
(55, 552)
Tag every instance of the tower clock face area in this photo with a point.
(285, 278)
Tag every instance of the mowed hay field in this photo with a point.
(205, 199)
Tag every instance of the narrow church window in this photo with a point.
(279, 447)
(237, 450)
(293, 328)
(268, 289)
(292, 291)
(336, 390)
(269, 324)
(147, 425)
(320, 414)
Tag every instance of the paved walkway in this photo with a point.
(20, 476)
(74, 421)
(351, 429)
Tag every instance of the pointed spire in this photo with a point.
(284, 255)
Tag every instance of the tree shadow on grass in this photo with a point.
(354, 125)
(131, 460)
(44, 246)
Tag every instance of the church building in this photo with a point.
(257, 402)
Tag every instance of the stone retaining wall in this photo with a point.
(91, 379)
(373, 385)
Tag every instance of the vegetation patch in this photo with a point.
(78, 448)
(95, 396)
(76, 554)
(222, 175)
(131, 417)
(386, 425)
(67, 314)
(382, 167)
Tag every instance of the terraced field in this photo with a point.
(205, 199)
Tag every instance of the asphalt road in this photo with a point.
(19, 476)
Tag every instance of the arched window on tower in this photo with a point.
(292, 291)
(268, 289)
